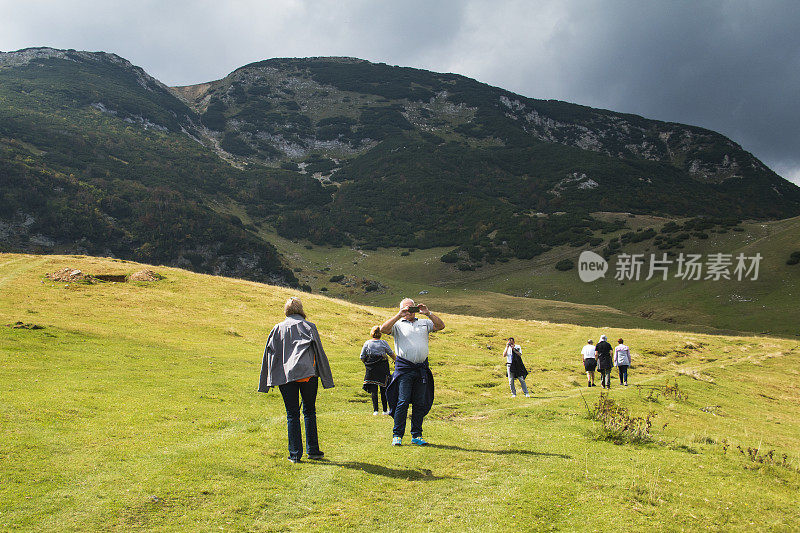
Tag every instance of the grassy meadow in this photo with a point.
(535, 289)
(134, 407)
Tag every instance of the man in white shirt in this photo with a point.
(589, 361)
(412, 381)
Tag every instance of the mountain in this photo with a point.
(99, 157)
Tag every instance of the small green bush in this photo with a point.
(619, 426)
(565, 264)
(449, 257)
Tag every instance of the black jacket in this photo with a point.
(518, 369)
(603, 353)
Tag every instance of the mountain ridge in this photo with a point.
(99, 157)
(546, 128)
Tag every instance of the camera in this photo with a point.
(413, 309)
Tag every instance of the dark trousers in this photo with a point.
(623, 374)
(410, 390)
(375, 398)
(291, 393)
(605, 378)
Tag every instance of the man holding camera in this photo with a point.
(515, 368)
(412, 381)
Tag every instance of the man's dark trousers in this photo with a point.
(410, 390)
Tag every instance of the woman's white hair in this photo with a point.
(294, 306)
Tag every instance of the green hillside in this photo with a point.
(98, 157)
(535, 289)
(419, 159)
(95, 158)
(367, 182)
(133, 406)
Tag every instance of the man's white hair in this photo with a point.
(404, 300)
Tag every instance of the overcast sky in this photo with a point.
(731, 66)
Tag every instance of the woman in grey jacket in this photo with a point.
(295, 362)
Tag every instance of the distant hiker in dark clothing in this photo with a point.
(515, 368)
(412, 381)
(589, 361)
(294, 361)
(604, 362)
(374, 355)
(622, 358)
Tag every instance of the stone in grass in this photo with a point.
(67, 274)
(146, 275)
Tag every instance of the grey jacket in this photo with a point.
(294, 351)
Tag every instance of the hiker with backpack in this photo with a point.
(515, 368)
(375, 355)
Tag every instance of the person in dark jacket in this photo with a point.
(515, 368)
(604, 361)
(375, 354)
(295, 362)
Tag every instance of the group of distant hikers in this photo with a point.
(599, 357)
(295, 362)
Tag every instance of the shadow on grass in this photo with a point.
(423, 474)
(501, 452)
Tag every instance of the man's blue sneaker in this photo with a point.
(419, 441)
(398, 441)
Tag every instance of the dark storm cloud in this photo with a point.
(731, 66)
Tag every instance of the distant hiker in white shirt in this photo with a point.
(589, 361)
(622, 358)
(515, 368)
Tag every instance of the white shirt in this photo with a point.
(588, 352)
(411, 339)
(510, 353)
